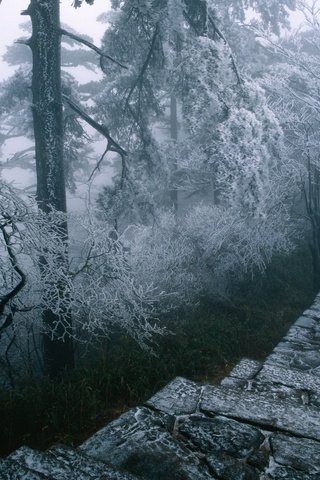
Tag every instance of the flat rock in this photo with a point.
(11, 470)
(299, 453)
(87, 467)
(277, 472)
(245, 369)
(179, 397)
(228, 468)
(41, 463)
(234, 382)
(305, 322)
(277, 391)
(313, 312)
(257, 408)
(139, 441)
(290, 378)
(221, 435)
(306, 337)
(308, 361)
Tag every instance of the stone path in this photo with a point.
(261, 423)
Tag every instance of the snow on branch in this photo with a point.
(92, 47)
(102, 129)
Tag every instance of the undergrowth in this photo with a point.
(118, 375)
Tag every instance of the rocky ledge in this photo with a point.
(261, 423)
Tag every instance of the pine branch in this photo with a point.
(225, 41)
(144, 66)
(91, 46)
(102, 129)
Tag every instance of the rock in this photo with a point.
(258, 409)
(11, 470)
(305, 322)
(61, 463)
(221, 435)
(227, 468)
(179, 397)
(246, 369)
(288, 377)
(139, 441)
(87, 466)
(298, 453)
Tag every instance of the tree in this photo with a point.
(45, 44)
(293, 83)
(16, 115)
(228, 156)
(62, 291)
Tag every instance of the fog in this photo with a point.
(83, 20)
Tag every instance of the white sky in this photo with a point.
(82, 19)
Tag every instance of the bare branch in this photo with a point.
(5, 299)
(97, 167)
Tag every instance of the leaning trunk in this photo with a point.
(45, 44)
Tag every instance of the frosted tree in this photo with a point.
(16, 115)
(200, 135)
(101, 286)
(47, 113)
(293, 83)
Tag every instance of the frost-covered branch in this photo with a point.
(113, 146)
(93, 47)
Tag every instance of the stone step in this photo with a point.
(62, 463)
(147, 443)
(259, 409)
(299, 453)
(178, 397)
(290, 384)
(246, 369)
(90, 468)
(290, 378)
(11, 470)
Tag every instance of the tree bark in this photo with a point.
(174, 136)
(47, 111)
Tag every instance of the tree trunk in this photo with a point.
(174, 136)
(45, 44)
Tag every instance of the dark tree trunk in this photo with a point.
(174, 136)
(45, 44)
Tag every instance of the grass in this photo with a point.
(118, 375)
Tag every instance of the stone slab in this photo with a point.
(221, 435)
(86, 466)
(41, 463)
(228, 468)
(245, 369)
(285, 473)
(258, 409)
(306, 337)
(143, 442)
(290, 378)
(11, 470)
(308, 361)
(179, 397)
(305, 322)
(298, 453)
